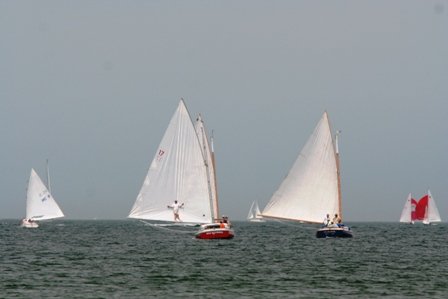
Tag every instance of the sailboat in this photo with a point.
(177, 173)
(408, 212)
(254, 213)
(312, 188)
(40, 204)
(219, 228)
(180, 171)
(424, 210)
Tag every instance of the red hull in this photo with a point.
(222, 233)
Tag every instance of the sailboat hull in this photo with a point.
(257, 220)
(214, 231)
(334, 232)
(29, 224)
(215, 234)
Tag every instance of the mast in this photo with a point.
(338, 170)
(207, 167)
(215, 203)
(48, 178)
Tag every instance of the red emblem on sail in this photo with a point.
(160, 154)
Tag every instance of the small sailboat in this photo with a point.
(408, 212)
(40, 204)
(312, 188)
(254, 213)
(430, 207)
(424, 210)
(182, 172)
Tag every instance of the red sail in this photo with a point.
(421, 208)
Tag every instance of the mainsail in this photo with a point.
(40, 204)
(209, 160)
(311, 188)
(408, 213)
(177, 172)
(432, 213)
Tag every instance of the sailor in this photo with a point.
(175, 206)
(226, 221)
(327, 220)
(336, 219)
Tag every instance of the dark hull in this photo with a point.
(334, 232)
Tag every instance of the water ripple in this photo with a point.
(117, 259)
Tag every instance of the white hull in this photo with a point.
(257, 220)
(27, 224)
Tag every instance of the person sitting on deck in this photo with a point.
(336, 219)
(226, 221)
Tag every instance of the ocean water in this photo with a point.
(127, 259)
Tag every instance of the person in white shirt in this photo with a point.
(176, 206)
(327, 220)
(336, 220)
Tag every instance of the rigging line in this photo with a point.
(164, 228)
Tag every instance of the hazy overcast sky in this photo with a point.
(92, 85)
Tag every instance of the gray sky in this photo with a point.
(92, 85)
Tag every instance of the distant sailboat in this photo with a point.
(177, 172)
(40, 204)
(432, 213)
(312, 187)
(254, 213)
(408, 212)
(424, 210)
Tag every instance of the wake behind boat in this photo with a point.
(312, 187)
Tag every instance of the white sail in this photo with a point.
(407, 210)
(254, 212)
(208, 158)
(177, 172)
(432, 214)
(251, 214)
(310, 190)
(40, 204)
